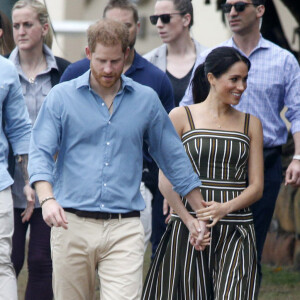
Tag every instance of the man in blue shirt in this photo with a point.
(96, 124)
(143, 72)
(273, 82)
(15, 128)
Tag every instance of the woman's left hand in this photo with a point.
(212, 211)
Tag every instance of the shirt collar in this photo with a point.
(138, 63)
(262, 44)
(84, 81)
(50, 59)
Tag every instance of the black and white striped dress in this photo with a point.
(227, 269)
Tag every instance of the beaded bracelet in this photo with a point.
(46, 199)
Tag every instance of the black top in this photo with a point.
(179, 85)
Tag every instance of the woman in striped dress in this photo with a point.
(225, 148)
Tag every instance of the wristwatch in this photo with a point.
(297, 157)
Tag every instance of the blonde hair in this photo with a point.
(108, 33)
(42, 14)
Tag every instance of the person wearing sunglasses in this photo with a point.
(173, 20)
(273, 82)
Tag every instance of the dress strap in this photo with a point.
(190, 118)
(246, 125)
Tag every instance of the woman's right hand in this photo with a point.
(199, 233)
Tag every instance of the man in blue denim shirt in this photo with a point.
(143, 72)
(97, 124)
(15, 128)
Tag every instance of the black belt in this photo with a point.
(101, 215)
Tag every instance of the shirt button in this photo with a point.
(104, 184)
(102, 104)
(109, 122)
(106, 164)
(107, 143)
(102, 205)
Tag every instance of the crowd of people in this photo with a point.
(181, 146)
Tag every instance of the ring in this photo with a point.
(211, 219)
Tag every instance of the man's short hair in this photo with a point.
(122, 4)
(259, 2)
(108, 33)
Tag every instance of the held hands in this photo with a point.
(292, 175)
(199, 234)
(54, 215)
(212, 211)
(30, 197)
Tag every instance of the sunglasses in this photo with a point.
(239, 7)
(165, 18)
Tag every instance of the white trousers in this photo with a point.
(146, 214)
(8, 283)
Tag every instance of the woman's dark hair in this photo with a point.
(6, 41)
(185, 7)
(217, 62)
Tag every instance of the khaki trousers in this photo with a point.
(113, 248)
(8, 284)
(146, 214)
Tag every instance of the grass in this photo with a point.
(279, 283)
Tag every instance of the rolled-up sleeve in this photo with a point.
(17, 122)
(167, 150)
(292, 92)
(45, 138)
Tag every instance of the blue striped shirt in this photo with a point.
(273, 82)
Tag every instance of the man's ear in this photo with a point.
(126, 52)
(88, 52)
(138, 26)
(260, 11)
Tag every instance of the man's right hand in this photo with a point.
(54, 215)
(199, 233)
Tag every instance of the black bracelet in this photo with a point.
(46, 199)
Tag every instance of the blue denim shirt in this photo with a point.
(15, 116)
(100, 155)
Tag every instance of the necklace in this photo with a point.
(217, 123)
(110, 105)
(31, 78)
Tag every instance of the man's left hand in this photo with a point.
(292, 175)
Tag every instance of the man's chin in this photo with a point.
(107, 84)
